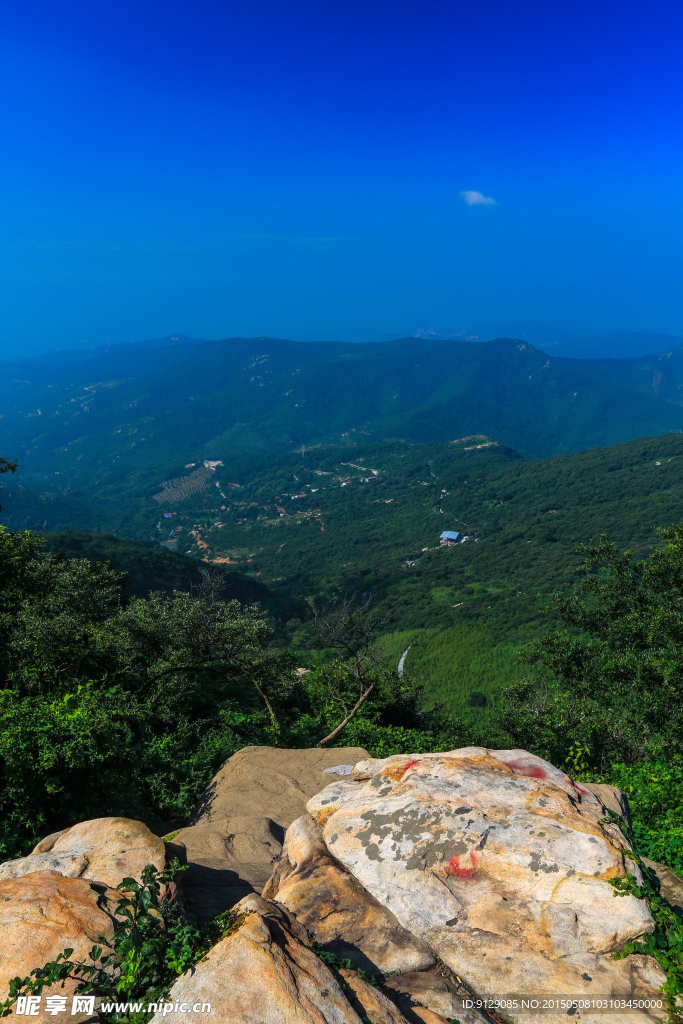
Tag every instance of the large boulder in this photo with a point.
(43, 913)
(345, 919)
(104, 849)
(499, 863)
(670, 885)
(236, 832)
(262, 973)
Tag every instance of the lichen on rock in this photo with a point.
(342, 915)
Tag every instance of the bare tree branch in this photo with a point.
(209, 587)
(271, 712)
(349, 630)
(352, 712)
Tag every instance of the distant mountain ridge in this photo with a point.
(160, 404)
(558, 342)
(542, 335)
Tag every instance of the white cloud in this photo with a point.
(477, 199)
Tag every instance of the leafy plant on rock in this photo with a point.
(154, 942)
(665, 942)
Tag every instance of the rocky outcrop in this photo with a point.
(104, 849)
(613, 799)
(275, 781)
(671, 886)
(263, 973)
(228, 861)
(42, 913)
(498, 862)
(237, 829)
(337, 909)
(368, 1002)
(474, 871)
(421, 1015)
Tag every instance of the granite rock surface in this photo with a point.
(499, 863)
(236, 831)
(337, 909)
(262, 973)
(103, 849)
(368, 1001)
(41, 914)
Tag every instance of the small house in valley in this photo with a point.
(448, 537)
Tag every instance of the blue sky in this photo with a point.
(303, 170)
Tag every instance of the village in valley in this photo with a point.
(245, 522)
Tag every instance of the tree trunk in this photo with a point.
(352, 712)
(273, 716)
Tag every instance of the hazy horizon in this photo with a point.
(554, 341)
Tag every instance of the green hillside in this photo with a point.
(366, 520)
(149, 567)
(81, 422)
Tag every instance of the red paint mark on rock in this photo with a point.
(529, 771)
(581, 790)
(396, 772)
(463, 866)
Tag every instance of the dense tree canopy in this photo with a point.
(110, 705)
(611, 681)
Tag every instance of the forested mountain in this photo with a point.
(559, 342)
(74, 417)
(366, 520)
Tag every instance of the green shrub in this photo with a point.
(154, 942)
